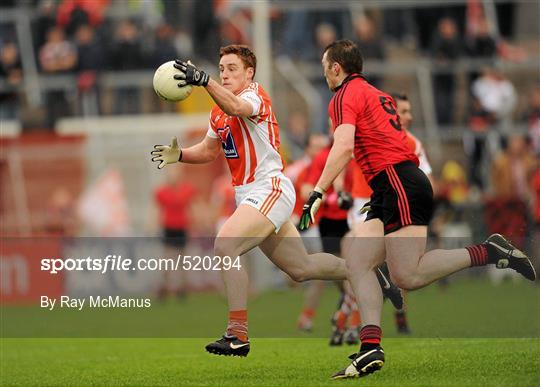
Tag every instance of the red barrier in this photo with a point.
(21, 280)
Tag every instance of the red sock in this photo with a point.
(341, 319)
(238, 325)
(354, 319)
(370, 336)
(309, 313)
(478, 254)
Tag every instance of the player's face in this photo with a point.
(405, 113)
(234, 75)
(329, 73)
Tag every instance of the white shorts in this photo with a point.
(274, 197)
(354, 216)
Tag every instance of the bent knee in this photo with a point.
(406, 281)
(298, 274)
(356, 265)
(225, 247)
(353, 265)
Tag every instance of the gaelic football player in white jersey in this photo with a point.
(243, 125)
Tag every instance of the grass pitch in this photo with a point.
(272, 362)
(472, 334)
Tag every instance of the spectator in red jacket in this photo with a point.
(174, 199)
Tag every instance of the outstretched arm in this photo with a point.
(225, 99)
(205, 151)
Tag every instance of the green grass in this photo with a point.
(473, 309)
(273, 362)
(472, 334)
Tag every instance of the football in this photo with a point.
(166, 87)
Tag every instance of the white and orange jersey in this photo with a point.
(250, 144)
(416, 146)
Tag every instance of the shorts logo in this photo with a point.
(252, 201)
(227, 142)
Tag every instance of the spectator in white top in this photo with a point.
(496, 94)
(57, 55)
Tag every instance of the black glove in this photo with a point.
(190, 75)
(344, 200)
(310, 208)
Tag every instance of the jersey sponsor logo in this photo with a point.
(227, 142)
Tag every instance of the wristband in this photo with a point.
(319, 190)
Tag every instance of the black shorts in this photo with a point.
(402, 195)
(332, 231)
(174, 238)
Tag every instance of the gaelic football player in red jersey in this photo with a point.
(244, 127)
(366, 125)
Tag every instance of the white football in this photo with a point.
(166, 87)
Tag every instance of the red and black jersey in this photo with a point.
(174, 202)
(379, 140)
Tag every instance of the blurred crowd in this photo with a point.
(84, 38)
